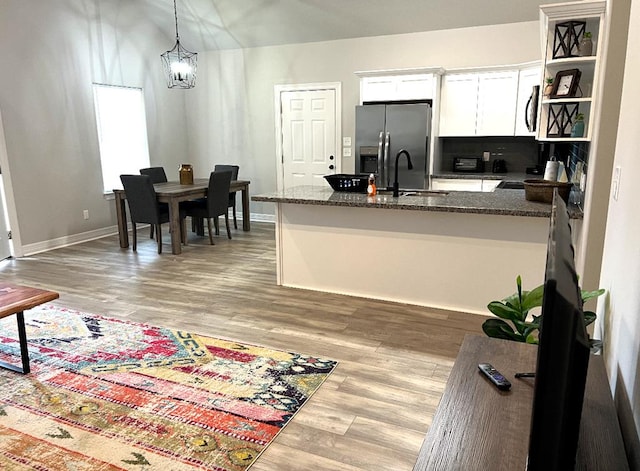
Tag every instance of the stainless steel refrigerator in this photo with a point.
(382, 131)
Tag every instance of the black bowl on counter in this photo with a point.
(354, 183)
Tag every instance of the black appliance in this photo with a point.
(499, 166)
(468, 164)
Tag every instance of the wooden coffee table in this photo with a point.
(15, 299)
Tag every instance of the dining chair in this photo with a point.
(232, 196)
(216, 203)
(144, 207)
(157, 175)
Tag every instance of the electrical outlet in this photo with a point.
(85, 214)
(346, 151)
(486, 156)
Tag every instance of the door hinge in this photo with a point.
(9, 235)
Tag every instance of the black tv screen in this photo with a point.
(563, 355)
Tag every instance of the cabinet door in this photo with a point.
(459, 101)
(414, 87)
(456, 184)
(497, 97)
(527, 80)
(378, 88)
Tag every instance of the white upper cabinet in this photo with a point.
(497, 98)
(459, 104)
(528, 78)
(486, 103)
(397, 87)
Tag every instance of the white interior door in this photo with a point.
(308, 125)
(5, 243)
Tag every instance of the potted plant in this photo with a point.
(518, 324)
(577, 130)
(548, 87)
(585, 47)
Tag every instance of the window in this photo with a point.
(122, 132)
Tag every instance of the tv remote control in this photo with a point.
(495, 376)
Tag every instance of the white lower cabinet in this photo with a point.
(464, 184)
(490, 185)
(456, 184)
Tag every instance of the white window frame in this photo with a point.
(122, 132)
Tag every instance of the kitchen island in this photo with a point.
(457, 250)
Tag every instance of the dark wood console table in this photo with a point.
(476, 426)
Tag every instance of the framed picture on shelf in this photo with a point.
(566, 83)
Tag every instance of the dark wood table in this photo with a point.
(476, 426)
(15, 299)
(173, 193)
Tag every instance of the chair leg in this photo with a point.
(159, 234)
(217, 225)
(151, 231)
(210, 231)
(235, 220)
(183, 230)
(226, 221)
(134, 236)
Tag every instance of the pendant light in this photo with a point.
(179, 64)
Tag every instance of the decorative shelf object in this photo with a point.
(567, 37)
(561, 119)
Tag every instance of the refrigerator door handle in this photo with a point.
(380, 158)
(387, 159)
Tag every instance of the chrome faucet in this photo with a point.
(396, 186)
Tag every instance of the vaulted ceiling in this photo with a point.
(225, 24)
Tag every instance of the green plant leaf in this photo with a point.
(499, 329)
(592, 294)
(503, 311)
(589, 317)
(533, 298)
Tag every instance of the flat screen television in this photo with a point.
(563, 355)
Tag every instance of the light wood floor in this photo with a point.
(373, 411)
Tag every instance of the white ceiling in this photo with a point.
(225, 24)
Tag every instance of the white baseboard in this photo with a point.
(46, 245)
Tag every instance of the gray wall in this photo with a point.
(233, 113)
(51, 52)
(46, 98)
(618, 311)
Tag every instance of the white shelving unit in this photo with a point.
(586, 96)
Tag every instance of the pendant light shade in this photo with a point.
(179, 64)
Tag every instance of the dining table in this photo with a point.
(173, 193)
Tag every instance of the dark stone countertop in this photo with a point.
(500, 202)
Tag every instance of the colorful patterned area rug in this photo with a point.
(110, 394)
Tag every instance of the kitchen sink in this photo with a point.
(510, 185)
(418, 192)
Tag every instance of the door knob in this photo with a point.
(331, 157)
(330, 167)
